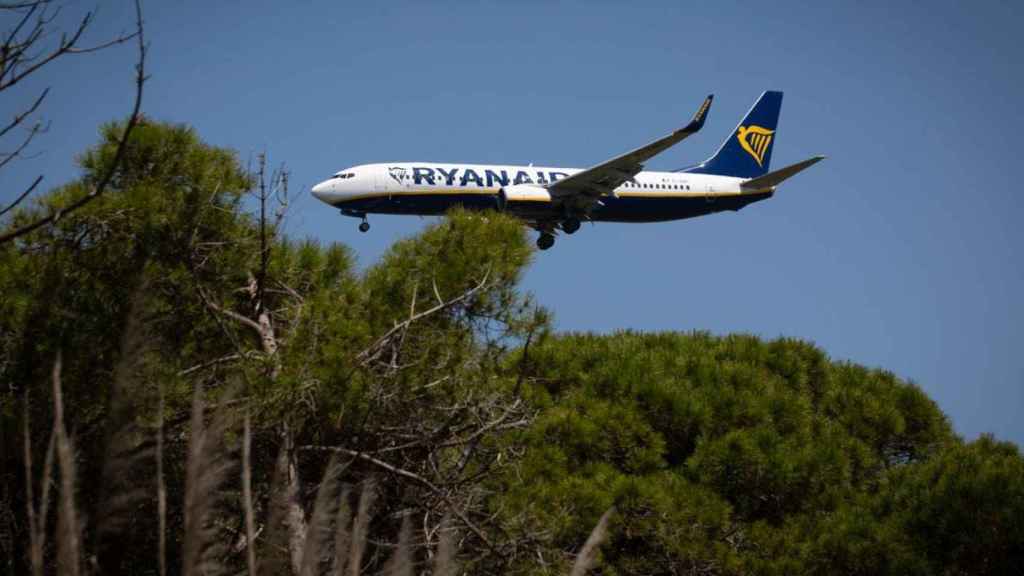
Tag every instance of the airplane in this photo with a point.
(551, 199)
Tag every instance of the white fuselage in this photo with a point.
(418, 178)
(429, 188)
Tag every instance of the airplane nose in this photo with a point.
(323, 191)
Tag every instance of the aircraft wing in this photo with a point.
(600, 180)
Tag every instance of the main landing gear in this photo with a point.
(570, 225)
(364, 226)
(547, 232)
(545, 240)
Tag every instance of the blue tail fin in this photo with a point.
(747, 152)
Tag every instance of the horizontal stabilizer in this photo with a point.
(775, 178)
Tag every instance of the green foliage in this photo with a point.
(448, 260)
(71, 287)
(307, 341)
(963, 508)
(734, 455)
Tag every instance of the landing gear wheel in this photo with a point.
(545, 241)
(364, 226)
(570, 225)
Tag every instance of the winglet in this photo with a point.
(772, 179)
(702, 113)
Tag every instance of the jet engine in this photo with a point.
(517, 195)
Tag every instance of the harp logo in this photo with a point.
(397, 173)
(755, 140)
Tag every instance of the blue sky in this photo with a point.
(901, 251)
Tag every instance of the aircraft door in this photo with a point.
(709, 193)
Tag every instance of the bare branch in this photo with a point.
(496, 424)
(414, 477)
(21, 117)
(104, 181)
(8, 157)
(229, 313)
(22, 196)
(65, 46)
(374, 350)
(37, 32)
(211, 363)
(119, 40)
(588, 555)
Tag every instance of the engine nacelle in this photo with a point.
(510, 196)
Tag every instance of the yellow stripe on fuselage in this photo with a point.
(491, 191)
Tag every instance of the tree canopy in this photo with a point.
(300, 414)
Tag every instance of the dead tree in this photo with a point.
(437, 448)
(257, 320)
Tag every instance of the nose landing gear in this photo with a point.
(364, 226)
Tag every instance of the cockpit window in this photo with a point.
(343, 176)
